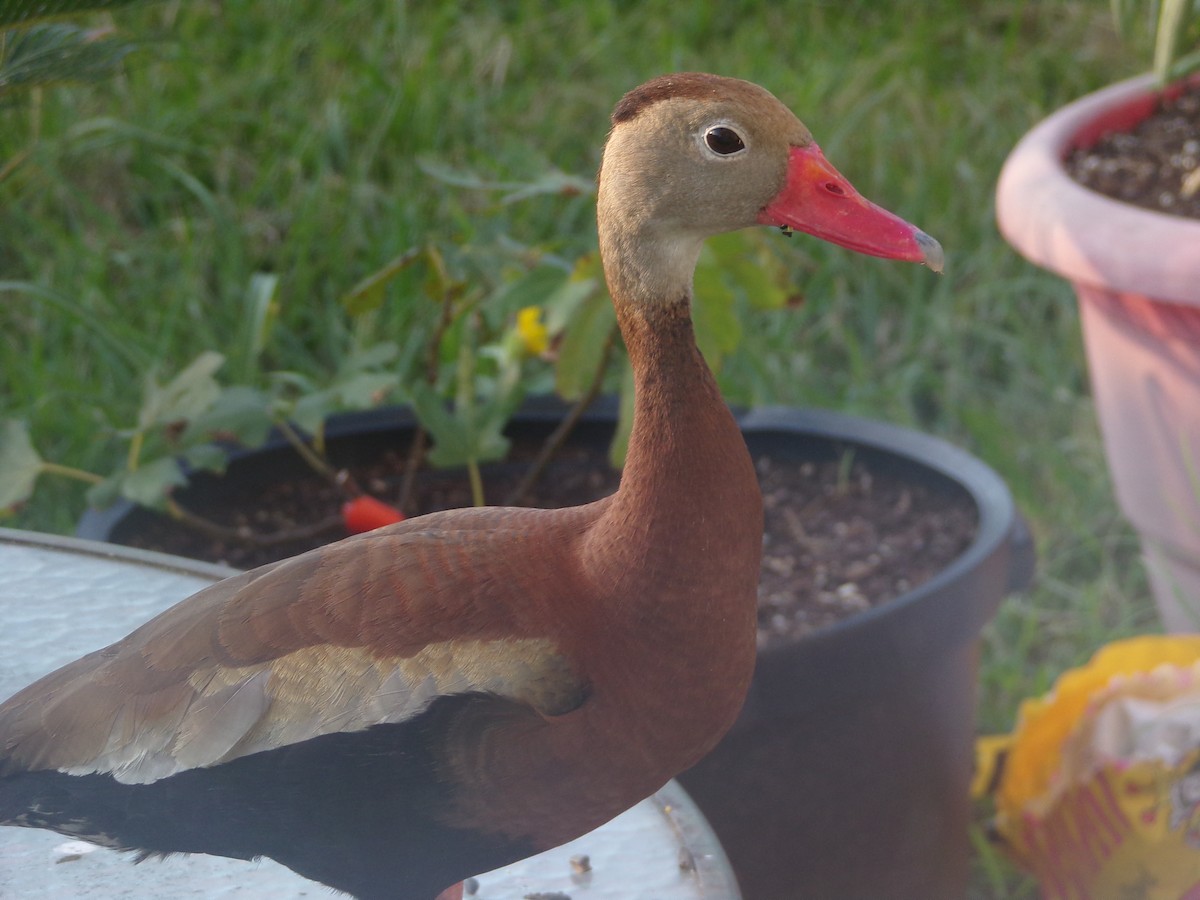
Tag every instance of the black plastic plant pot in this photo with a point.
(350, 439)
(847, 774)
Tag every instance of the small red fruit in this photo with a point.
(366, 514)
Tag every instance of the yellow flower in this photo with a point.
(532, 330)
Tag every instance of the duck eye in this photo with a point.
(724, 141)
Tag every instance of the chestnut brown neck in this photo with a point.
(678, 548)
(683, 433)
(688, 513)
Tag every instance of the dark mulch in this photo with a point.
(840, 537)
(1156, 166)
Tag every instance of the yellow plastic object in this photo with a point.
(1097, 790)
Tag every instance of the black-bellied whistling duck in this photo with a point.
(402, 709)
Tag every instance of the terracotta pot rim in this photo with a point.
(1084, 236)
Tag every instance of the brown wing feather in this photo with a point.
(365, 631)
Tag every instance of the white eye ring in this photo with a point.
(722, 140)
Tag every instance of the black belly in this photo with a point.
(360, 812)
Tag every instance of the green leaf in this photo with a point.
(582, 346)
(313, 409)
(106, 493)
(185, 396)
(459, 178)
(13, 12)
(20, 464)
(381, 354)
(534, 288)
(451, 443)
(261, 312)
(553, 182)
(498, 405)
(460, 435)
(357, 386)
(619, 447)
(47, 54)
(556, 183)
(369, 293)
(286, 383)
(149, 484)
(561, 306)
(485, 442)
(439, 283)
(743, 259)
(366, 389)
(209, 457)
(1185, 65)
(718, 331)
(238, 413)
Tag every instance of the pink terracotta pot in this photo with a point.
(1137, 276)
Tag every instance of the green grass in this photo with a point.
(288, 137)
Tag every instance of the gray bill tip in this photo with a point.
(935, 258)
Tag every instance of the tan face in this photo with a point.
(693, 155)
(702, 162)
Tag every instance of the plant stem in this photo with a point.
(844, 468)
(416, 453)
(416, 450)
(51, 468)
(559, 436)
(314, 459)
(246, 536)
(476, 483)
(135, 451)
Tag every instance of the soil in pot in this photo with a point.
(1156, 165)
(841, 534)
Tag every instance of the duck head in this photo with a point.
(692, 155)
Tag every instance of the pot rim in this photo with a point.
(1085, 236)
